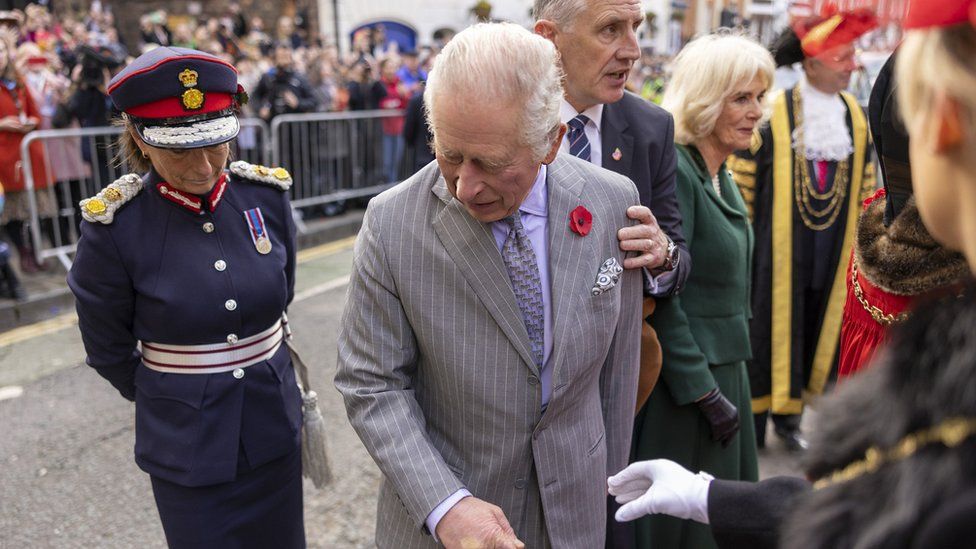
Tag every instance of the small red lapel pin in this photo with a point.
(580, 221)
(617, 155)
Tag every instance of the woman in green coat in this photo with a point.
(692, 417)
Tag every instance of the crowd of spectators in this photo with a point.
(60, 67)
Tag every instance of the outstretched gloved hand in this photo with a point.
(660, 486)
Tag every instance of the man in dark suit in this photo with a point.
(597, 43)
(617, 130)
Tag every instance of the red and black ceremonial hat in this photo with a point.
(832, 28)
(178, 98)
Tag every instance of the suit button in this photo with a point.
(519, 483)
(232, 338)
(208, 227)
(533, 380)
(220, 264)
(230, 305)
(238, 373)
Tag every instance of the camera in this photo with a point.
(94, 59)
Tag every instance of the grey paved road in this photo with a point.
(66, 470)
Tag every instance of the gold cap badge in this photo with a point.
(189, 78)
(192, 99)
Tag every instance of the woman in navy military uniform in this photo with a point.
(181, 278)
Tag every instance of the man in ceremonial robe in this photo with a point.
(803, 180)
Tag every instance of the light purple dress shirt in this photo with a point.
(535, 212)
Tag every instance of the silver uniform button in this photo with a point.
(238, 373)
(230, 304)
(232, 339)
(208, 227)
(220, 265)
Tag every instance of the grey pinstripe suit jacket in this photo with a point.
(436, 371)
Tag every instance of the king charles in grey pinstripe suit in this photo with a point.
(483, 440)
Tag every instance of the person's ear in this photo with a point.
(950, 134)
(556, 143)
(545, 29)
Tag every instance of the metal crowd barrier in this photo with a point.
(78, 162)
(339, 156)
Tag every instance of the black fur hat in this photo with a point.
(786, 49)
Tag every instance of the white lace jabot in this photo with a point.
(824, 131)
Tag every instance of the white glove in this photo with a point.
(660, 486)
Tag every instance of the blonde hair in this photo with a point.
(706, 73)
(502, 64)
(932, 61)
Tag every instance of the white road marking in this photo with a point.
(11, 391)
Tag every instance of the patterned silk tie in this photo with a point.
(519, 258)
(579, 145)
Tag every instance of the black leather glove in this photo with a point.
(721, 415)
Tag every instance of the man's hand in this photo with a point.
(647, 239)
(476, 524)
(663, 487)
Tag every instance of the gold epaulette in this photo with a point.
(101, 208)
(278, 178)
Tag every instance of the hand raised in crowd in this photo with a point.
(721, 414)
(646, 238)
(290, 99)
(660, 486)
(476, 524)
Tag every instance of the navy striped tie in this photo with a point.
(579, 145)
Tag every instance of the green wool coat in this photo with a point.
(704, 334)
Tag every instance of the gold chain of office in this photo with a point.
(879, 316)
(803, 187)
(950, 433)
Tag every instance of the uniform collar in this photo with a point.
(192, 202)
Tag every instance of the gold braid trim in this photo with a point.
(949, 433)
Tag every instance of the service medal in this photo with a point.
(258, 230)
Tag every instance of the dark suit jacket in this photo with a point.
(644, 133)
(749, 514)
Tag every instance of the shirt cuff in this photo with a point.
(658, 285)
(442, 508)
(699, 498)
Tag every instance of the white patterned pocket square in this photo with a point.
(608, 276)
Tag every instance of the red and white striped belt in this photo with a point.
(213, 358)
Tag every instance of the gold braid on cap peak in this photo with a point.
(950, 433)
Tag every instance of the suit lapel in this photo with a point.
(569, 254)
(614, 137)
(471, 245)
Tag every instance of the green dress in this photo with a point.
(704, 334)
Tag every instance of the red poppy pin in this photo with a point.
(580, 221)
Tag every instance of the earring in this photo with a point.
(144, 155)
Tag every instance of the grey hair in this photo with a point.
(561, 12)
(707, 72)
(501, 64)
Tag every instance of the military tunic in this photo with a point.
(177, 269)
